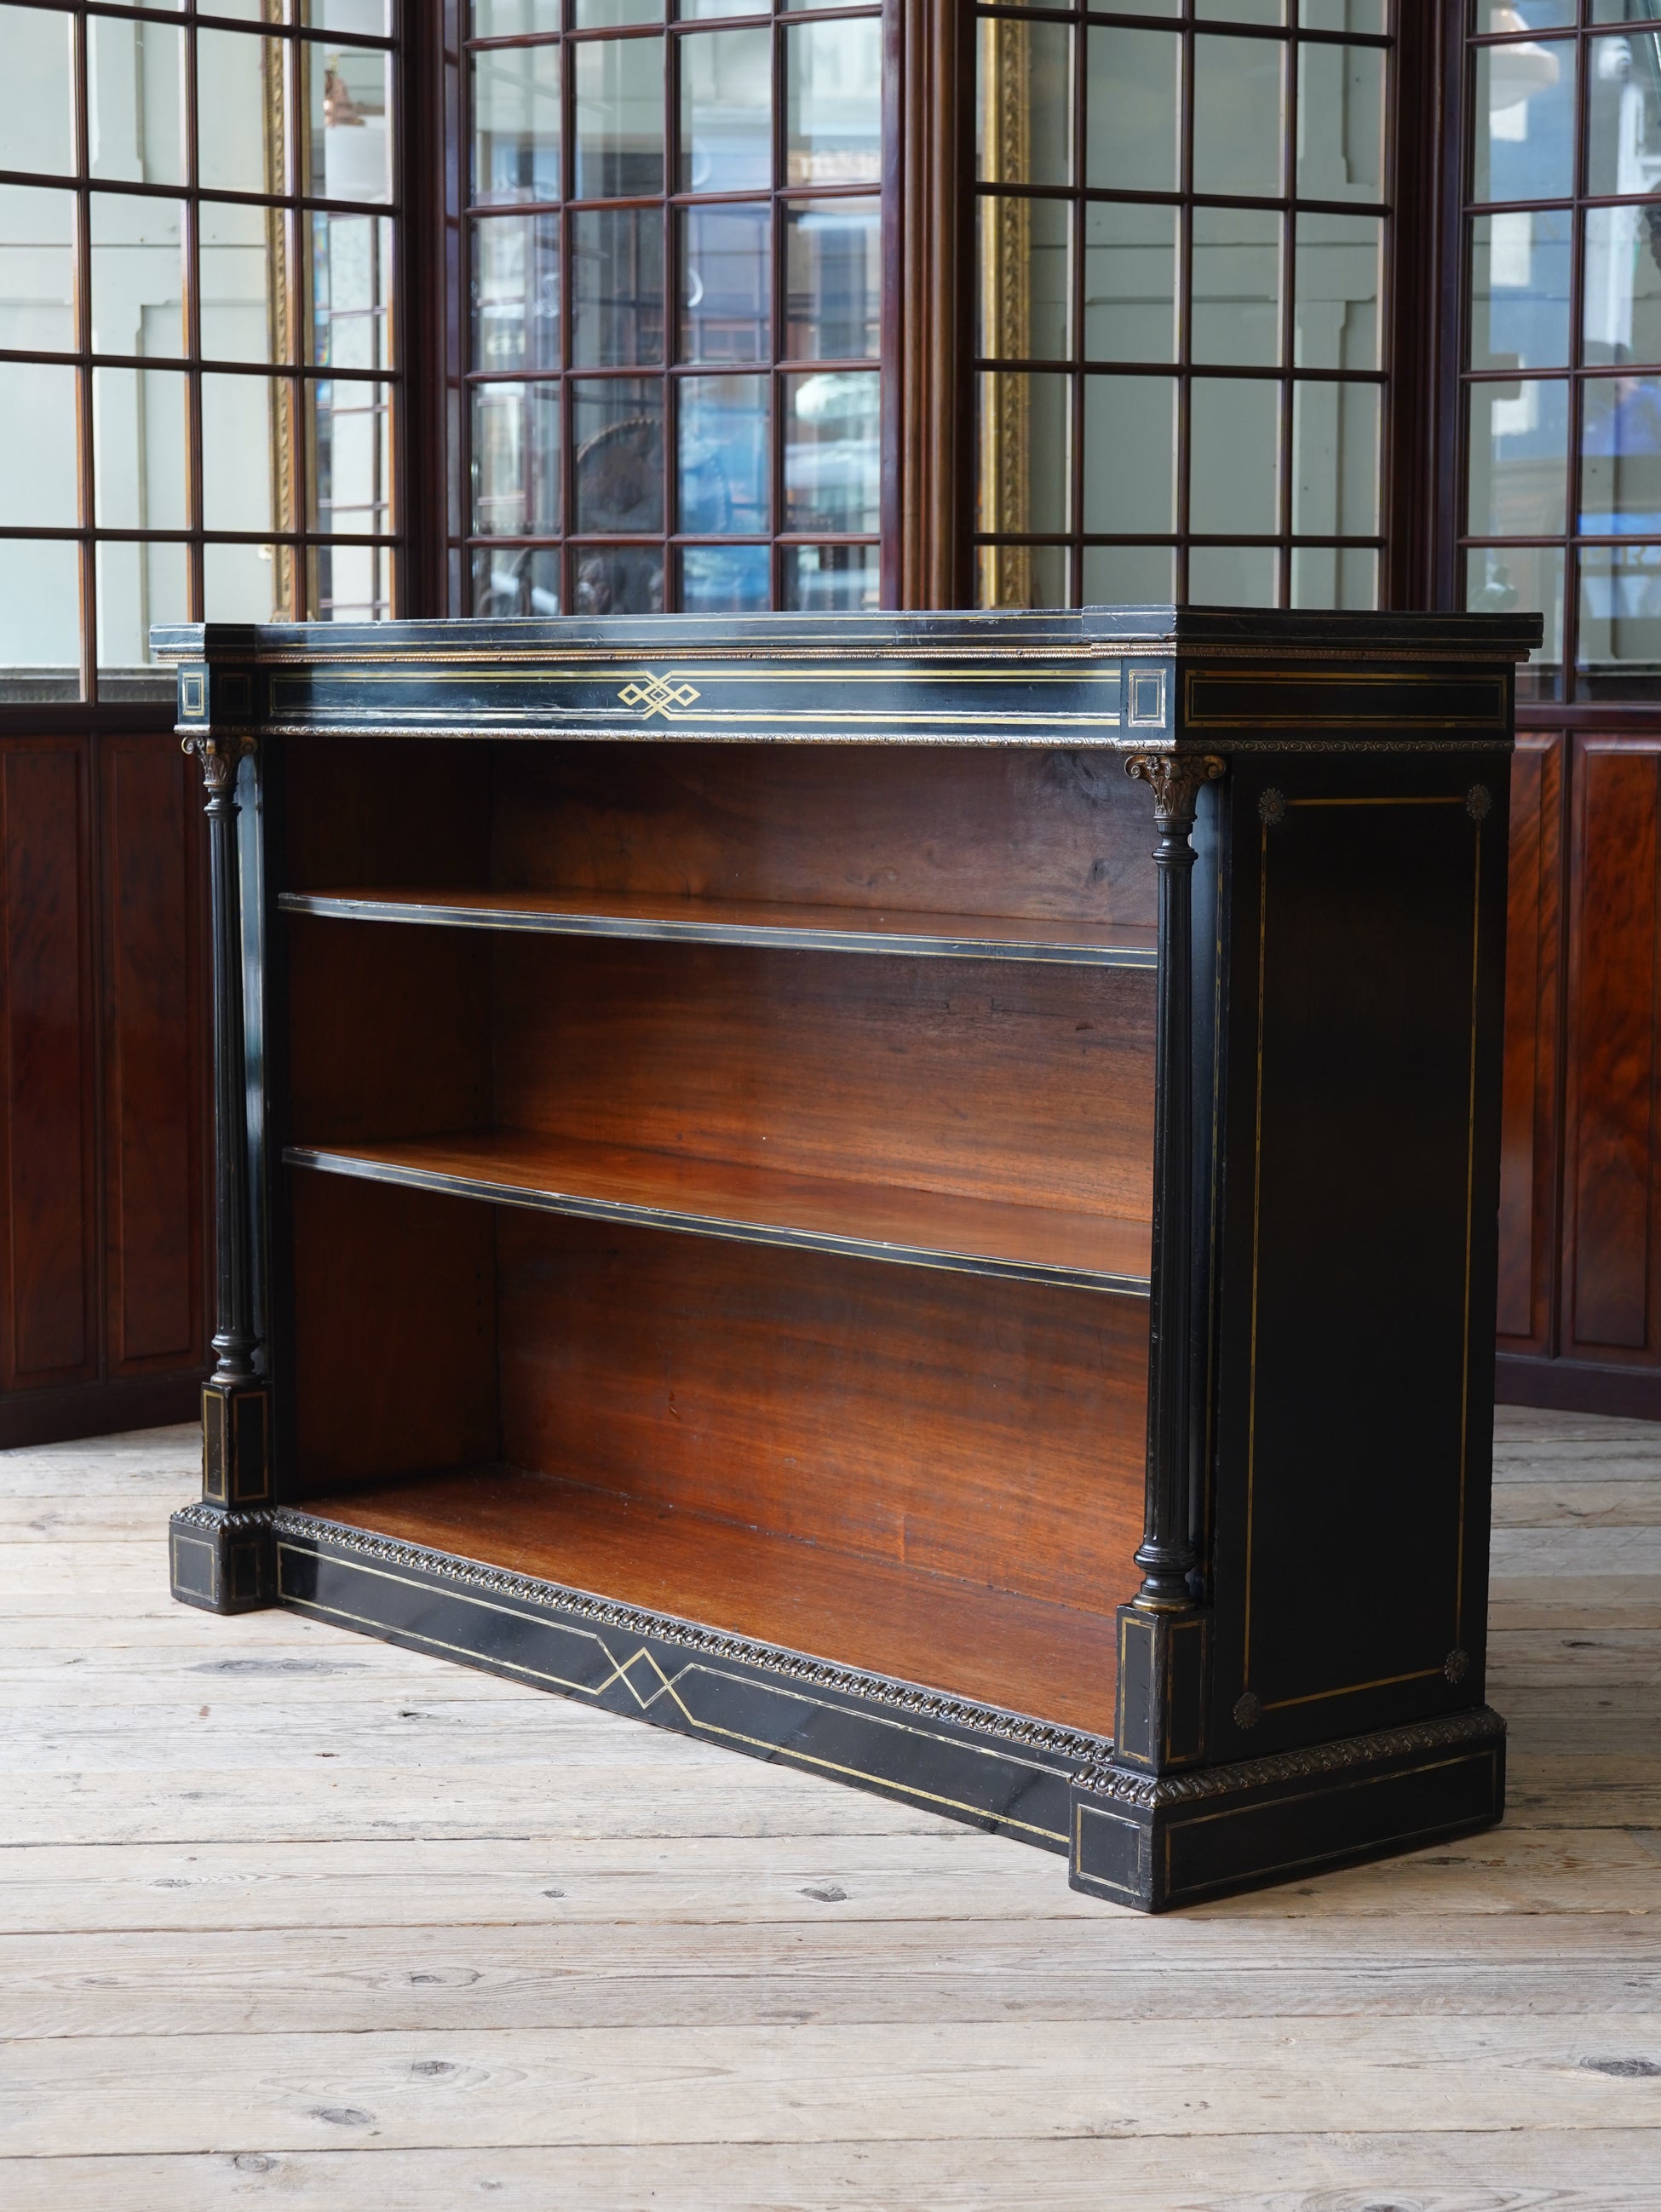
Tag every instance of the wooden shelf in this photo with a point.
(752, 922)
(991, 1645)
(711, 1198)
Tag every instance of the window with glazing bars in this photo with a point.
(196, 363)
(675, 256)
(1562, 508)
(1180, 246)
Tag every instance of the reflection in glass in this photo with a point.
(1242, 11)
(699, 11)
(1496, 16)
(1335, 460)
(138, 584)
(244, 312)
(610, 14)
(350, 266)
(515, 292)
(37, 268)
(40, 614)
(1525, 122)
(1619, 654)
(240, 419)
(139, 473)
(1347, 15)
(347, 96)
(1621, 285)
(1621, 457)
(622, 581)
(1024, 103)
(619, 119)
(1518, 458)
(617, 435)
(1623, 113)
(1236, 287)
(36, 123)
(247, 583)
(1233, 481)
(1132, 135)
(134, 75)
(516, 123)
(726, 112)
(37, 473)
(1335, 576)
(515, 459)
(616, 287)
(725, 276)
(833, 100)
(1340, 276)
(359, 18)
(722, 455)
(1022, 576)
(515, 19)
(1341, 123)
(515, 580)
(351, 582)
(833, 280)
(1023, 469)
(1128, 575)
(1129, 454)
(349, 452)
(138, 289)
(1520, 289)
(832, 451)
(1238, 115)
(832, 579)
(725, 579)
(1502, 579)
(1024, 286)
(1130, 282)
(1233, 576)
(1620, 11)
(240, 109)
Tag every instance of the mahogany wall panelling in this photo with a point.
(1530, 1128)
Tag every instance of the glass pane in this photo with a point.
(360, 19)
(247, 583)
(610, 14)
(1024, 103)
(137, 584)
(1239, 127)
(1621, 281)
(516, 454)
(1335, 460)
(1493, 16)
(1129, 575)
(726, 283)
(36, 124)
(619, 119)
(240, 419)
(37, 473)
(240, 104)
(1623, 113)
(515, 19)
(721, 438)
(1132, 131)
(1620, 648)
(724, 578)
(1130, 454)
(616, 287)
(1024, 284)
(1242, 11)
(139, 434)
(1022, 576)
(1021, 480)
(617, 444)
(350, 583)
(624, 582)
(832, 451)
(833, 77)
(40, 614)
(1340, 281)
(37, 268)
(1503, 579)
(1520, 436)
(1130, 282)
(1621, 457)
(1525, 122)
(726, 112)
(350, 278)
(1233, 472)
(347, 99)
(135, 77)
(832, 579)
(1236, 287)
(1341, 123)
(1344, 15)
(1620, 11)
(833, 280)
(516, 123)
(1520, 289)
(138, 268)
(698, 11)
(244, 253)
(1233, 576)
(515, 580)
(515, 292)
(349, 451)
(1335, 576)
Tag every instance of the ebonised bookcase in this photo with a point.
(913, 1195)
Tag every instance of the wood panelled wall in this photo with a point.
(103, 1189)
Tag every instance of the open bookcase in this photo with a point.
(765, 1182)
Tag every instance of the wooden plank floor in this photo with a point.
(289, 1917)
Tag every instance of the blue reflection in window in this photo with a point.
(722, 445)
(724, 579)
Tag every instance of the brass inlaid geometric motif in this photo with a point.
(656, 695)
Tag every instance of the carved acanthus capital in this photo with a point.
(219, 758)
(1175, 780)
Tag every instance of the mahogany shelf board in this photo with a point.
(714, 1198)
(662, 917)
(1048, 1660)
